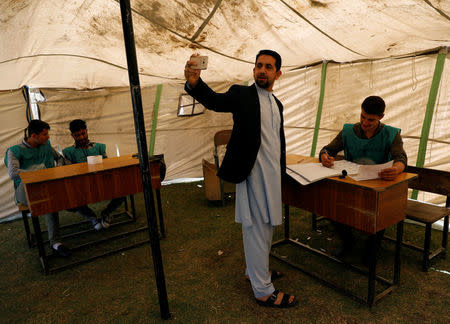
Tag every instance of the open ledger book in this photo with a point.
(307, 173)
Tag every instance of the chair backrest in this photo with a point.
(430, 180)
(222, 137)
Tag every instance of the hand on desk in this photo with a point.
(327, 160)
(392, 172)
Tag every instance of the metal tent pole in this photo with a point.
(139, 126)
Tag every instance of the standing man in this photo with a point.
(255, 161)
(367, 142)
(78, 153)
(34, 153)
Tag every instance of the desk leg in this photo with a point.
(160, 214)
(133, 207)
(286, 222)
(372, 269)
(398, 246)
(40, 243)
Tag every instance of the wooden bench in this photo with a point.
(434, 181)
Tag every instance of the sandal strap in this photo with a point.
(271, 300)
(285, 300)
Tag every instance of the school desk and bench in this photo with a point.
(69, 186)
(369, 206)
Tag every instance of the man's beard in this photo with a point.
(82, 143)
(262, 83)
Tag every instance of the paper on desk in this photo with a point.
(312, 172)
(367, 172)
(298, 177)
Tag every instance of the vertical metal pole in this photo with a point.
(139, 125)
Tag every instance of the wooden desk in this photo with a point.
(70, 186)
(369, 206)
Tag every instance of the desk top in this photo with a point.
(71, 170)
(374, 184)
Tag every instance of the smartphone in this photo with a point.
(202, 62)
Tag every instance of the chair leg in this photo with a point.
(27, 227)
(445, 235)
(160, 214)
(426, 247)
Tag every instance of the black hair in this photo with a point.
(77, 124)
(36, 126)
(373, 105)
(274, 54)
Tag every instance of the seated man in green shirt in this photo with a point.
(34, 153)
(367, 142)
(78, 153)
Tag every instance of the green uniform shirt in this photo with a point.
(375, 150)
(77, 155)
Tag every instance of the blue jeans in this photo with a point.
(51, 219)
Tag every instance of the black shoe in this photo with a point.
(62, 251)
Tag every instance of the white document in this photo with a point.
(367, 172)
(297, 177)
(351, 167)
(313, 171)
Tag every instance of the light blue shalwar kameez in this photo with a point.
(258, 198)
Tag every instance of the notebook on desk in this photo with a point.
(312, 172)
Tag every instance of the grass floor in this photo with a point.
(204, 272)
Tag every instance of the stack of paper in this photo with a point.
(307, 173)
(367, 172)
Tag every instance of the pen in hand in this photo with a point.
(326, 159)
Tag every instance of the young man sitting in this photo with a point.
(77, 153)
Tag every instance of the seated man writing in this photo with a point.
(367, 142)
(78, 153)
(34, 153)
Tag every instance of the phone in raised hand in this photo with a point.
(202, 62)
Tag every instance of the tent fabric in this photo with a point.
(79, 44)
(12, 124)
(73, 51)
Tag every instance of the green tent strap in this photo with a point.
(439, 67)
(155, 118)
(319, 108)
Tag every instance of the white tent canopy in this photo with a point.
(79, 44)
(74, 52)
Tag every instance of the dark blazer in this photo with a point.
(243, 147)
